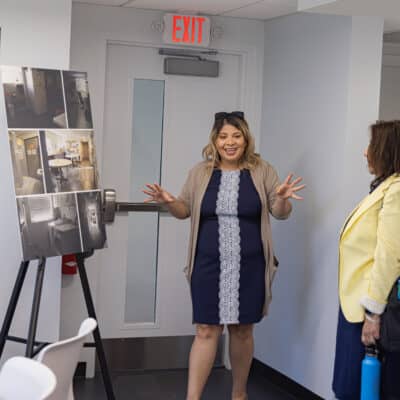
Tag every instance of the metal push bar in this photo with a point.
(111, 206)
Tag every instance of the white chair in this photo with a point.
(25, 379)
(62, 358)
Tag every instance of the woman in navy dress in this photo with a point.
(227, 283)
(228, 198)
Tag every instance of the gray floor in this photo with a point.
(171, 385)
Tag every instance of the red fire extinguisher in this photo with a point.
(69, 264)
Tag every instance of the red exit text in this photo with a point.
(187, 29)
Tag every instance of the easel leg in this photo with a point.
(13, 304)
(35, 308)
(96, 333)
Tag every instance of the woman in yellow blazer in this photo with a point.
(369, 265)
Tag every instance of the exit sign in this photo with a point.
(187, 30)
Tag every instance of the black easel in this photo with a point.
(30, 341)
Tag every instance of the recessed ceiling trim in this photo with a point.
(244, 6)
(122, 3)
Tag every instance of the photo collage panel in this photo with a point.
(53, 156)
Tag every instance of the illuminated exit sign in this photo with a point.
(187, 30)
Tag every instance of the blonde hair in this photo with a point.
(250, 158)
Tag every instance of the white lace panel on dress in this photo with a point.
(229, 247)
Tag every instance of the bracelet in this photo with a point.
(369, 318)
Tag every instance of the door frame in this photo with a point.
(243, 59)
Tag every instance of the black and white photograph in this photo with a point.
(27, 162)
(90, 215)
(52, 162)
(34, 97)
(49, 225)
(77, 100)
(69, 160)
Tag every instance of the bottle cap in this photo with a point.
(371, 351)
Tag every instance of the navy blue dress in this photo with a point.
(228, 278)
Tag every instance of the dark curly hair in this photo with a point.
(384, 150)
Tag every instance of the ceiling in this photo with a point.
(267, 9)
(261, 9)
(389, 9)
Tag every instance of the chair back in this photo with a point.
(62, 358)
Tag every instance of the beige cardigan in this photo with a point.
(265, 180)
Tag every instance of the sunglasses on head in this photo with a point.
(224, 115)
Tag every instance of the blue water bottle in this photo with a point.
(370, 375)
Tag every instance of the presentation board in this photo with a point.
(52, 147)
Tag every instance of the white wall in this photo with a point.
(363, 99)
(321, 91)
(35, 33)
(134, 26)
(390, 90)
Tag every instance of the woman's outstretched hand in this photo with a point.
(288, 189)
(157, 194)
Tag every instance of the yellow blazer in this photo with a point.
(369, 251)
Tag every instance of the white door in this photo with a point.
(142, 290)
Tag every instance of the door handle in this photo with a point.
(111, 206)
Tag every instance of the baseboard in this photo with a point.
(282, 381)
(151, 353)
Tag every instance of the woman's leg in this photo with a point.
(202, 356)
(241, 348)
